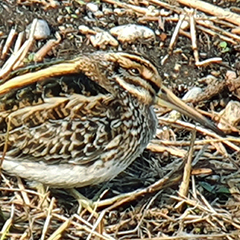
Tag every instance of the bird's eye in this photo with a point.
(134, 71)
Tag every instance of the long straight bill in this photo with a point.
(167, 99)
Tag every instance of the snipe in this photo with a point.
(82, 121)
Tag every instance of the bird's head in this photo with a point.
(141, 79)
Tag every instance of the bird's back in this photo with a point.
(72, 121)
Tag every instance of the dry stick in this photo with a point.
(4, 71)
(199, 154)
(97, 225)
(41, 53)
(5, 229)
(130, 196)
(213, 33)
(218, 29)
(29, 45)
(23, 193)
(213, 10)
(175, 33)
(200, 129)
(88, 228)
(8, 189)
(194, 191)
(174, 38)
(137, 9)
(220, 148)
(209, 60)
(185, 34)
(194, 43)
(25, 235)
(8, 43)
(48, 219)
(197, 203)
(5, 143)
(166, 5)
(1, 47)
(141, 217)
(205, 22)
(187, 143)
(77, 225)
(191, 236)
(18, 42)
(183, 190)
(198, 18)
(57, 234)
(143, 10)
(157, 148)
(193, 36)
(11, 62)
(222, 22)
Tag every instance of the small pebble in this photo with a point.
(132, 32)
(98, 14)
(119, 11)
(60, 19)
(42, 30)
(92, 7)
(231, 75)
(83, 29)
(177, 67)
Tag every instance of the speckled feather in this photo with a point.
(83, 127)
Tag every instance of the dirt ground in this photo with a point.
(147, 201)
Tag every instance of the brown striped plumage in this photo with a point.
(82, 121)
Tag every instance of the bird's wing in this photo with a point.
(58, 119)
(61, 129)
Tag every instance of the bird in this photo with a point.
(82, 121)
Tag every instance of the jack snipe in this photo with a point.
(82, 121)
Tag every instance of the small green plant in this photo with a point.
(223, 47)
